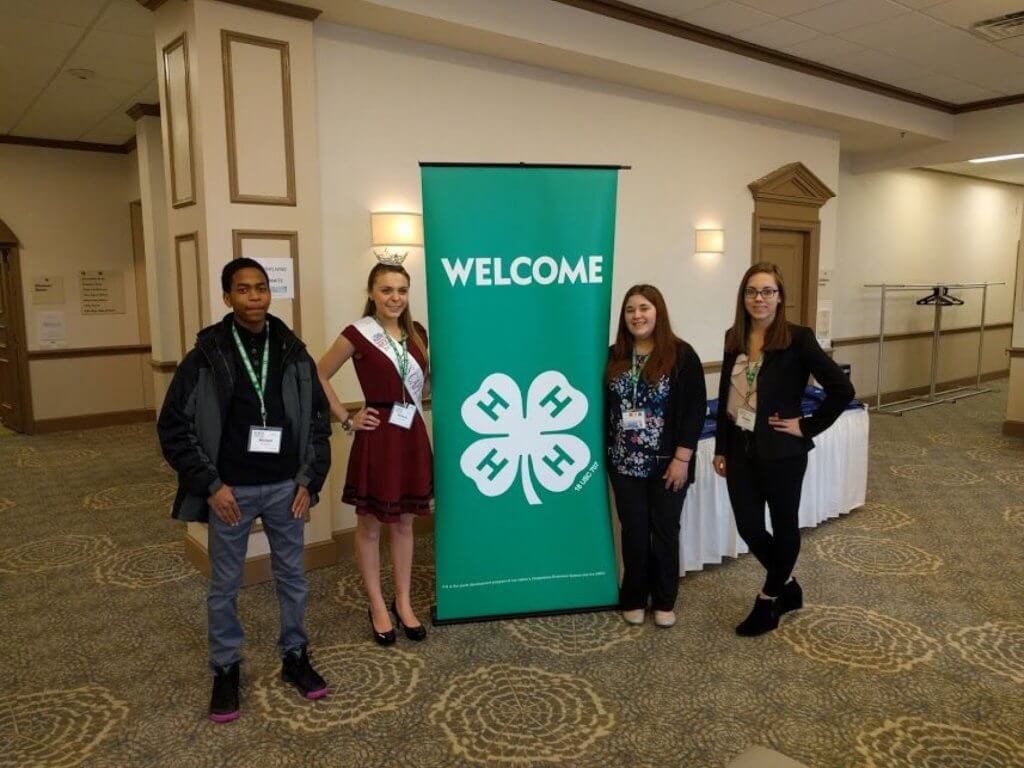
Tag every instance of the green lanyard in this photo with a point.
(403, 358)
(260, 385)
(752, 370)
(634, 373)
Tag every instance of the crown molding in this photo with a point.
(81, 146)
(270, 6)
(140, 109)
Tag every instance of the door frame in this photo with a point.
(790, 199)
(9, 243)
(812, 239)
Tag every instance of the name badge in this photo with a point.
(745, 419)
(402, 415)
(265, 439)
(632, 420)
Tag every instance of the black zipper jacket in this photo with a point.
(192, 418)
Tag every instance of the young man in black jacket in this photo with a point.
(246, 426)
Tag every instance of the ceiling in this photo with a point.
(1006, 170)
(43, 39)
(917, 45)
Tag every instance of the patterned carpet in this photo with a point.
(910, 651)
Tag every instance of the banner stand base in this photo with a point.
(434, 621)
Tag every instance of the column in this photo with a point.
(238, 115)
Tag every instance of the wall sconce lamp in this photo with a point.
(710, 241)
(395, 229)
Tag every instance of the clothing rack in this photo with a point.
(939, 297)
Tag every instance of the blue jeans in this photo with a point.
(228, 545)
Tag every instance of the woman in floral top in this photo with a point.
(655, 411)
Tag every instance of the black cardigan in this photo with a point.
(780, 387)
(686, 407)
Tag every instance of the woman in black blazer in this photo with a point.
(656, 403)
(762, 441)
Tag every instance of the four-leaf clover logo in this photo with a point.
(531, 444)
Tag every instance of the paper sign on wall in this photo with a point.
(48, 289)
(282, 277)
(823, 324)
(51, 331)
(102, 292)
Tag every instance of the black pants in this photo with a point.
(752, 481)
(650, 540)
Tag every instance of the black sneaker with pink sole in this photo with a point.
(224, 704)
(297, 670)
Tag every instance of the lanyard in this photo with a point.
(260, 385)
(751, 373)
(634, 373)
(403, 358)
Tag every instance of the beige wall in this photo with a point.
(69, 210)
(919, 226)
(90, 385)
(386, 104)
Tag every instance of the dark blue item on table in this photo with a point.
(811, 400)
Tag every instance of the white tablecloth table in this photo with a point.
(835, 483)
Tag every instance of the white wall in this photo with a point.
(386, 104)
(920, 226)
(69, 210)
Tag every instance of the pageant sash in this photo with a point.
(376, 335)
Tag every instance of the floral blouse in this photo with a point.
(633, 452)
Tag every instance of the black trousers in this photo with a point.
(753, 481)
(650, 517)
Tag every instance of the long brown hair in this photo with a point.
(663, 356)
(405, 319)
(777, 336)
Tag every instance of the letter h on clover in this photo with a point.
(531, 444)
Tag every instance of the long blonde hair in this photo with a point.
(405, 321)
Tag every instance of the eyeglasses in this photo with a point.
(765, 293)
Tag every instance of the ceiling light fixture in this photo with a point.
(997, 158)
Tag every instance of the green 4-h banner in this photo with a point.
(519, 271)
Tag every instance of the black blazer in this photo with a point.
(686, 408)
(780, 387)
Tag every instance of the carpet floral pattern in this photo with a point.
(908, 654)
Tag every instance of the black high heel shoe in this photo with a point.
(417, 633)
(382, 638)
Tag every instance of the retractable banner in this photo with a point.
(519, 272)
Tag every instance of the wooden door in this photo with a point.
(788, 250)
(12, 399)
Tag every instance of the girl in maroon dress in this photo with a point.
(390, 469)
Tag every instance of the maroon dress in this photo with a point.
(390, 469)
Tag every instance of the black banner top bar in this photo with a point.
(527, 165)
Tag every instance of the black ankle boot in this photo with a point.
(791, 598)
(764, 617)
